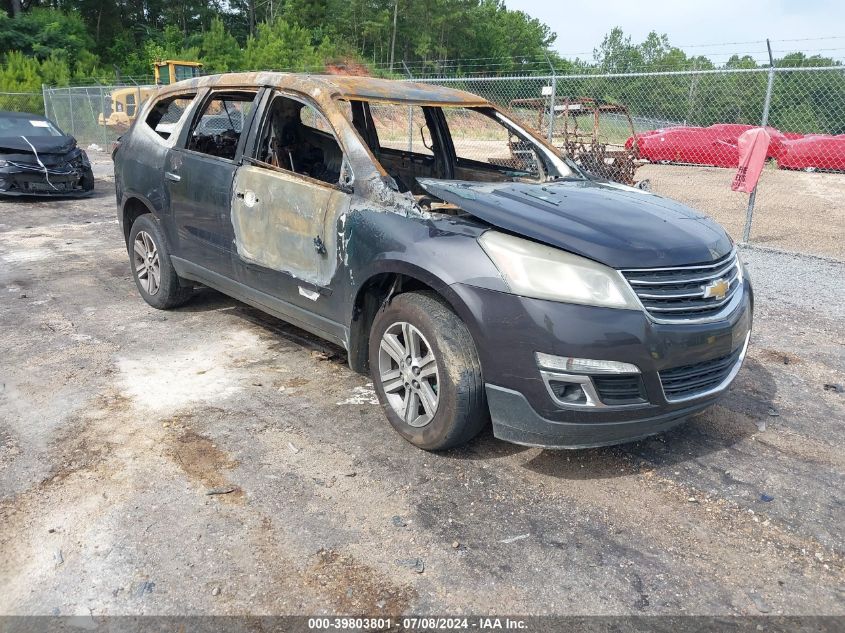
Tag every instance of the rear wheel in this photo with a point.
(152, 269)
(426, 372)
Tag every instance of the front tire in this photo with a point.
(155, 277)
(426, 372)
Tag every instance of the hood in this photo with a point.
(46, 144)
(616, 225)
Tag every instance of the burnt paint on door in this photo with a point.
(277, 216)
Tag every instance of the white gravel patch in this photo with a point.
(207, 372)
(800, 281)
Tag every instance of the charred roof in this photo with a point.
(337, 86)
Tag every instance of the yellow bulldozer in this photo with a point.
(123, 103)
(170, 71)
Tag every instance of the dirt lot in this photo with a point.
(118, 422)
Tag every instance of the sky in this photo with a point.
(697, 27)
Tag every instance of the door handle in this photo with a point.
(171, 176)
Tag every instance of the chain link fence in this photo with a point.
(94, 114)
(22, 102)
(677, 131)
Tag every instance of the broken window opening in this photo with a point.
(481, 142)
(165, 115)
(403, 139)
(217, 131)
(296, 137)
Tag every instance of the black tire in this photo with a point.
(170, 291)
(87, 181)
(461, 411)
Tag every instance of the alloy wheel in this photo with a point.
(146, 262)
(408, 373)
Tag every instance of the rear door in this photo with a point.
(143, 153)
(199, 173)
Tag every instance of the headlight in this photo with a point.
(542, 272)
(81, 160)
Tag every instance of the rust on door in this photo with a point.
(286, 222)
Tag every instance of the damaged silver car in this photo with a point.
(465, 265)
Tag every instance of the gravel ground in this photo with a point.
(777, 275)
(118, 422)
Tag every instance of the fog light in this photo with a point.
(584, 365)
(568, 392)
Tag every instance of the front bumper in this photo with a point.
(515, 421)
(508, 330)
(75, 183)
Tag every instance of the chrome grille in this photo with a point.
(678, 293)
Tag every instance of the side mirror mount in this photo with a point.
(425, 135)
(347, 178)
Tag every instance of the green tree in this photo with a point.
(281, 46)
(808, 101)
(219, 50)
(617, 54)
(43, 33)
(20, 73)
(171, 45)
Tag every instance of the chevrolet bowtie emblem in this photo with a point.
(716, 289)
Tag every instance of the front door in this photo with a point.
(287, 201)
(199, 172)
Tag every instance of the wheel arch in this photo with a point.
(133, 207)
(384, 283)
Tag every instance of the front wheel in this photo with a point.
(426, 372)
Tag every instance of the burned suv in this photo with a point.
(473, 272)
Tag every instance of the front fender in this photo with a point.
(414, 271)
(439, 253)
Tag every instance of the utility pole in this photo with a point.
(693, 88)
(393, 38)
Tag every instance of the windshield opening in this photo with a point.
(475, 144)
